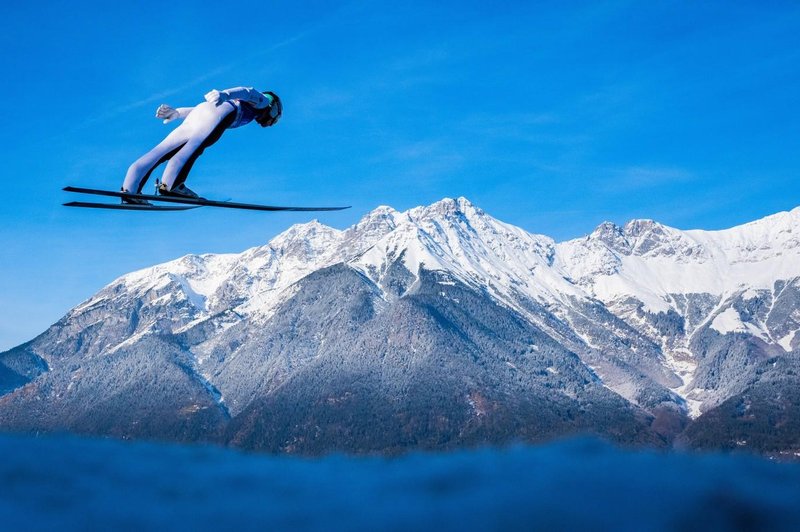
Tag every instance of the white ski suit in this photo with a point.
(203, 125)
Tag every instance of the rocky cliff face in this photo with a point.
(436, 327)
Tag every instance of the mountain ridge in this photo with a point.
(675, 323)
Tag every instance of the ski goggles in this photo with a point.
(272, 113)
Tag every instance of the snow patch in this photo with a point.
(786, 341)
(693, 407)
(728, 321)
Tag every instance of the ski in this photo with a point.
(199, 202)
(130, 206)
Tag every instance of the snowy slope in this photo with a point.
(456, 236)
(651, 262)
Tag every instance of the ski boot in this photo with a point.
(181, 191)
(133, 201)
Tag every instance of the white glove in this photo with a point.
(167, 113)
(216, 97)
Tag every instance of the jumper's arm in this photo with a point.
(168, 114)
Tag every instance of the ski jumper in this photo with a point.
(203, 125)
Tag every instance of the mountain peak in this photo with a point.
(447, 208)
(305, 241)
(641, 226)
(382, 210)
(382, 215)
(611, 235)
(645, 237)
(304, 230)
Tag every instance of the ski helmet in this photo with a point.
(270, 115)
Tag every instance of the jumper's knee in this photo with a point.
(138, 167)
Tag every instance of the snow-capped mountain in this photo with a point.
(445, 324)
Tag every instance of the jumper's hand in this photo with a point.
(216, 97)
(166, 113)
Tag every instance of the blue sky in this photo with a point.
(549, 117)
